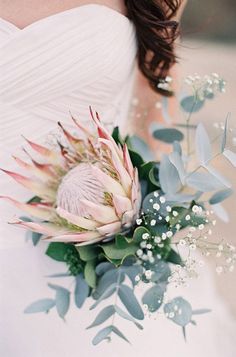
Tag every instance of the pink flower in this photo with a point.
(88, 190)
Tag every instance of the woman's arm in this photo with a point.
(147, 104)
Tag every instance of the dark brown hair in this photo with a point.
(156, 33)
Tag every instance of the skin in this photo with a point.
(25, 12)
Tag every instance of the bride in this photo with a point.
(59, 57)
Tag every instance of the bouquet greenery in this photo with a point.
(117, 218)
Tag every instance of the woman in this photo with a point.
(58, 57)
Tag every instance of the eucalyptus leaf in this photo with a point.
(62, 302)
(103, 267)
(102, 335)
(36, 238)
(168, 135)
(153, 297)
(110, 277)
(179, 311)
(43, 305)
(81, 291)
(132, 271)
(231, 156)
(110, 291)
(177, 147)
(161, 272)
(165, 110)
(201, 311)
(103, 315)
(168, 176)
(220, 196)
(59, 275)
(126, 316)
(218, 176)
(141, 148)
(62, 299)
(176, 159)
(203, 182)
(131, 303)
(203, 145)
(119, 333)
(224, 138)
(191, 104)
(220, 212)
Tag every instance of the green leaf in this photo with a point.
(35, 199)
(136, 159)
(103, 315)
(131, 303)
(116, 136)
(90, 274)
(58, 251)
(43, 305)
(87, 252)
(153, 298)
(81, 291)
(121, 241)
(174, 258)
(138, 233)
(113, 252)
(220, 196)
(179, 311)
(191, 104)
(168, 135)
(102, 335)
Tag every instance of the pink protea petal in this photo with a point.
(82, 127)
(81, 222)
(42, 171)
(121, 204)
(43, 228)
(110, 229)
(110, 185)
(37, 210)
(103, 133)
(51, 156)
(100, 213)
(36, 187)
(128, 218)
(123, 174)
(128, 163)
(74, 237)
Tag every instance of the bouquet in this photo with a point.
(117, 218)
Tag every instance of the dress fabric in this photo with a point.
(60, 65)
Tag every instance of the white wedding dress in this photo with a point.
(66, 62)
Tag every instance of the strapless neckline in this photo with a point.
(61, 14)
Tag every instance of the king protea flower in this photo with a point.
(88, 189)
